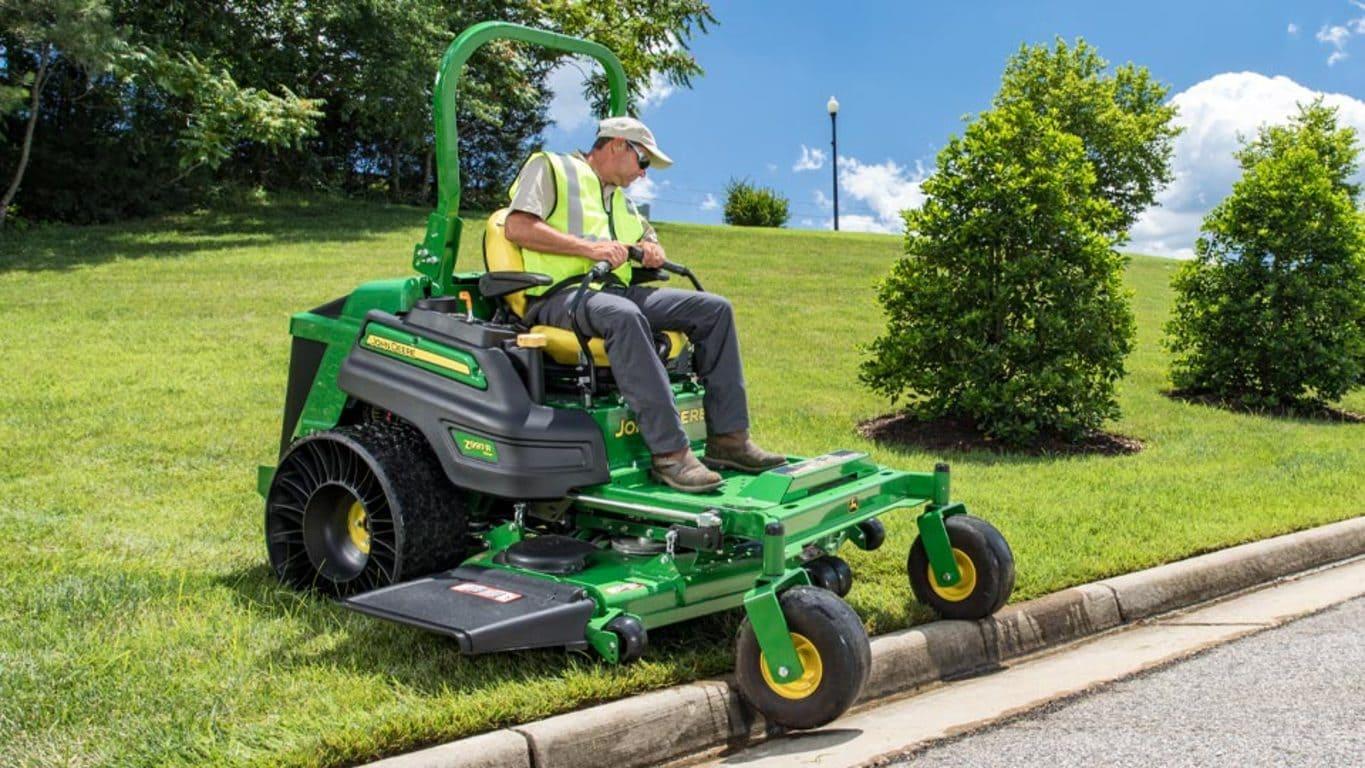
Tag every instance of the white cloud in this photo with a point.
(772, 167)
(822, 199)
(643, 190)
(1336, 56)
(886, 188)
(656, 92)
(810, 160)
(858, 222)
(1293, 29)
(569, 110)
(1335, 36)
(709, 203)
(1215, 113)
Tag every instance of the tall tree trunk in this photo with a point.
(39, 80)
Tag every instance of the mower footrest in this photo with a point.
(486, 609)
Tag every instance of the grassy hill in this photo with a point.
(143, 382)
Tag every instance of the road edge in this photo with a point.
(676, 722)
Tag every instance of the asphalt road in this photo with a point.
(1289, 696)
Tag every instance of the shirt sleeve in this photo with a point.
(535, 187)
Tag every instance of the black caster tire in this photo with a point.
(361, 507)
(985, 562)
(844, 572)
(631, 638)
(831, 573)
(835, 654)
(874, 534)
(822, 574)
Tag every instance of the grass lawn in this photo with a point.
(144, 381)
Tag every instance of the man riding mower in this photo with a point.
(569, 212)
(455, 459)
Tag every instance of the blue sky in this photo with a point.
(906, 74)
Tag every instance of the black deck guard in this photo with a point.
(486, 610)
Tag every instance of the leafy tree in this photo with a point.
(40, 31)
(1121, 118)
(1008, 308)
(1271, 311)
(172, 126)
(749, 205)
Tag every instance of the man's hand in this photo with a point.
(610, 251)
(654, 255)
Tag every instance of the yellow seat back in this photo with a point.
(502, 255)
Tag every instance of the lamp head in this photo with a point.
(832, 105)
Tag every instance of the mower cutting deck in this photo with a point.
(445, 466)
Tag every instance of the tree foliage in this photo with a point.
(749, 205)
(1120, 117)
(332, 94)
(1008, 308)
(1271, 311)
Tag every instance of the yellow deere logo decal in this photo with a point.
(629, 427)
(405, 350)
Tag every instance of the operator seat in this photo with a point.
(502, 255)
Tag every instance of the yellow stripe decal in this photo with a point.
(393, 347)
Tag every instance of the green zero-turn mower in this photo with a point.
(444, 466)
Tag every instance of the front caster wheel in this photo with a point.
(835, 656)
(983, 559)
(631, 638)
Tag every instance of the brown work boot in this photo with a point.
(681, 471)
(736, 451)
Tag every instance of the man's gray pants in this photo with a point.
(626, 321)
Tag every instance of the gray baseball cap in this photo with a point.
(630, 129)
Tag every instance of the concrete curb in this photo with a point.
(687, 719)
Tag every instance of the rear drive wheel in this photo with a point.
(983, 559)
(361, 507)
(835, 658)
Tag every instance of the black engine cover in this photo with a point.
(542, 452)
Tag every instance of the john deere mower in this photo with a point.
(445, 465)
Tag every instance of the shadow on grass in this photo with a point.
(60, 248)
(433, 665)
(1307, 412)
(960, 438)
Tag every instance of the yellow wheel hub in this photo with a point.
(355, 525)
(964, 587)
(812, 671)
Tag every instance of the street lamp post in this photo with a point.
(833, 107)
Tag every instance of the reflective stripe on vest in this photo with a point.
(579, 211)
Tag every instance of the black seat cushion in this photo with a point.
(549, 553)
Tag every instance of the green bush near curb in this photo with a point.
(144, 377)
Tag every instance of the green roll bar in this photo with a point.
(435, 255)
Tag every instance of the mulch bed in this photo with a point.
(1305, 411)
(950, 434)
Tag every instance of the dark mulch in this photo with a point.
(959, 434)
(1308, 411)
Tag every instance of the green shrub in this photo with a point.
(1008, 307)
(747, 205)
(1271, 311)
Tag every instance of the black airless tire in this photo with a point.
(983, 559)
(361, 507)
(834, 652)
(631, 638)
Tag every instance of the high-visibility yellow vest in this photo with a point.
(579, 211)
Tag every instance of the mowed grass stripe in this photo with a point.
(144, 379)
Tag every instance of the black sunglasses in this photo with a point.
(641, 157)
